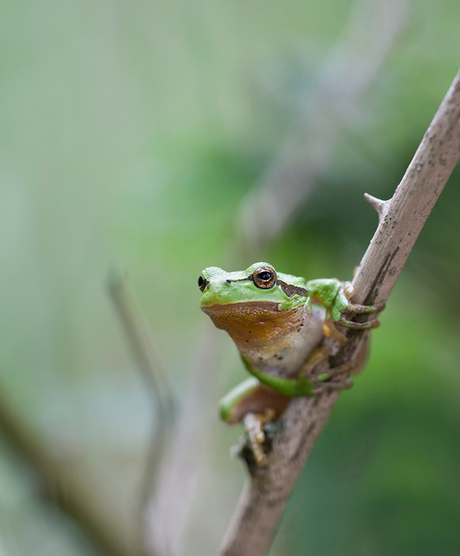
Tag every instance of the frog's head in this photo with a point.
(256, 306)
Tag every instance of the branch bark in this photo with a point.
(401, 220)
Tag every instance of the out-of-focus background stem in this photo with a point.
(131, 135)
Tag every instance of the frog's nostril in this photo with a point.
(202, 283)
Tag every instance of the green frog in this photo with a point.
(277, 324)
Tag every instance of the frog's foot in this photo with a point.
(356, 309)
(363, 309)
(347, 367)
(320, 384)
(254, 423)
(343, 384)
(358, 325)
(318, 355)
(333, 386)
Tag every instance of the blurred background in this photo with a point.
(153, 139)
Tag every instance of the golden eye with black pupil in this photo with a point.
(202, 283)
(264, 277)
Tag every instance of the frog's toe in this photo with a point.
(345, 384)
(358, 325)
(254, 423)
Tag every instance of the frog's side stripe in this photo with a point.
(289, 387)
(291, 290)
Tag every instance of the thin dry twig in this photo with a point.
(401, 220)
(160, 393)
(185, 470)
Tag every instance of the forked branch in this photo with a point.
(401, 220)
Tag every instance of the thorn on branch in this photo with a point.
(380, 206)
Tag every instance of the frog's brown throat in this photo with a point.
(259, 327)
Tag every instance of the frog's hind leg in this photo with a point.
(251, 396)
(254, 404)
(324, 379)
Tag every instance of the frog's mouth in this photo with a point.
(247, 314)
(258, 326)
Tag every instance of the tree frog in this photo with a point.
(277, 324)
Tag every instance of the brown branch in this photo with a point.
(401, 220)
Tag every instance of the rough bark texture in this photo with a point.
(401, 220)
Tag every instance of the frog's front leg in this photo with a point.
(335, 295)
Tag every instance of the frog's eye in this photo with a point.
(202, 283)
(264, 277)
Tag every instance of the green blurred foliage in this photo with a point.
(130, 134)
